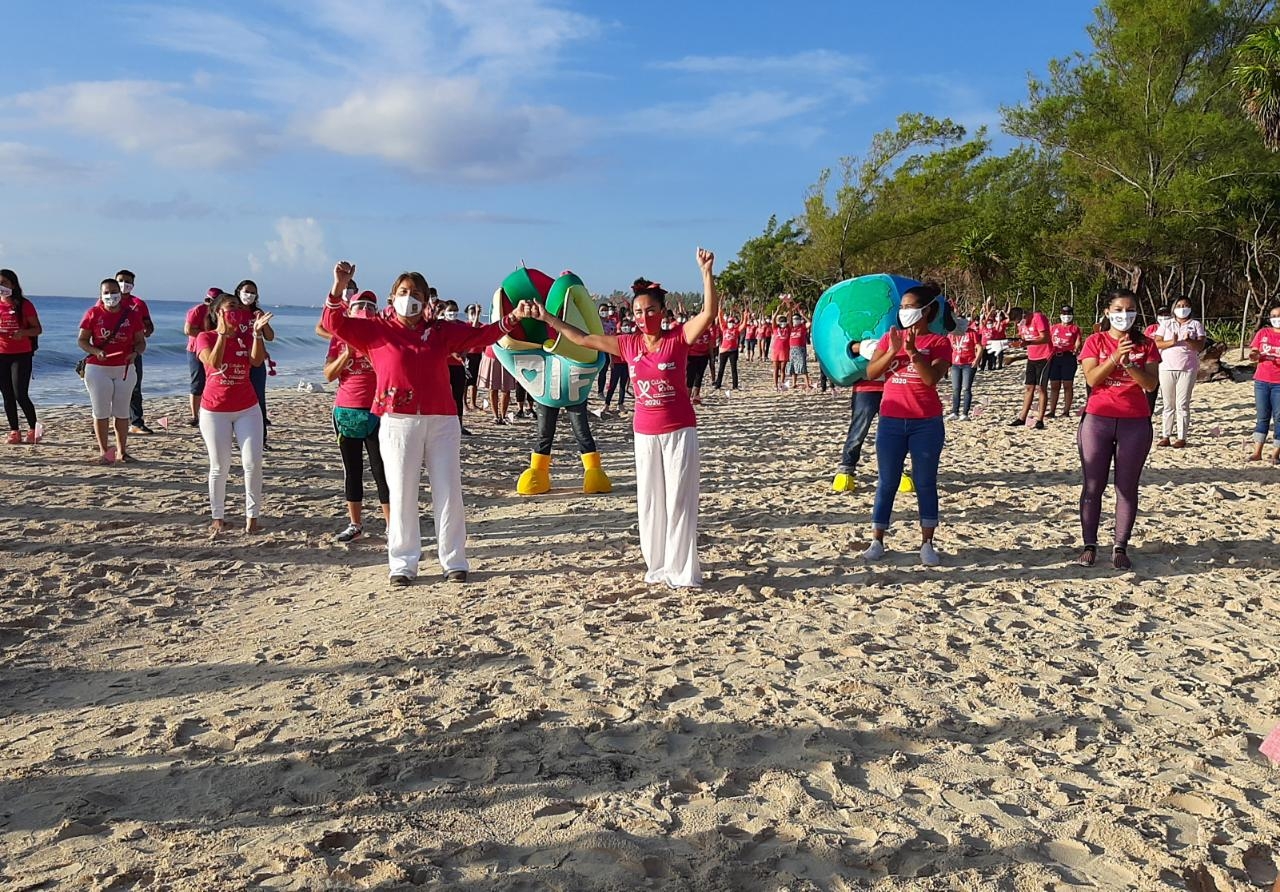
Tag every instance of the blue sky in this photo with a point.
(199, 144)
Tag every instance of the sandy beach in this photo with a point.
(268, 714)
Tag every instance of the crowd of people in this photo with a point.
(408, 373)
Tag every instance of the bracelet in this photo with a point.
(506, 323)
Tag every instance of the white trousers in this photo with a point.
(667, 467)
(1175, 393)
(110, 387)
(217, 429)
(408, 442)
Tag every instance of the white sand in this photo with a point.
(268, 714)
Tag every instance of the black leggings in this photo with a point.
(458, 384)
(695, 370)
(353, 468)
(729, 357)
(15, 381)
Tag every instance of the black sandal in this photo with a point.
(1120, 558)
(1088, 556)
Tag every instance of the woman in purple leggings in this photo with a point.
(1121, 366)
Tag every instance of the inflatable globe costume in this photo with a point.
(556, 373)
(848, 322)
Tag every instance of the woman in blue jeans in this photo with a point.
(912, 360)
(1265, 351)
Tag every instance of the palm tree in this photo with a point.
(1256, 75)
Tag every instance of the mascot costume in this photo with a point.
(557, 373)
(848, 322)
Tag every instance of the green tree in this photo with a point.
(1257, 76)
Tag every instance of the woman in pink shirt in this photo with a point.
(966, 345)
(229, 350)
(1120, 366)
(1180, 339)
(353, 422)
(666, 434)
(19, 326)
(1265, 351)
(111, 335)
(780, 351)
(418, 418)
(913, 361)
(1065, 339)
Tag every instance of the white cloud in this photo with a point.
(812, 63)
(446, 126)
(255, 265)
(19, 162)
(148, 117)
(738, 116)
(300, 242)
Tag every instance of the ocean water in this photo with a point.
(297, 352)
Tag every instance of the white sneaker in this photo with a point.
(929, 554)
(964, 416)
(875, 552)
(953, 417)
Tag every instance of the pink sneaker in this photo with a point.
(32, 438)
(15, 437)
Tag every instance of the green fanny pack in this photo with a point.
(354, 424)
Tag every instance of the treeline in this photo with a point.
(1141, 165)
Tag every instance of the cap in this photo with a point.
(212, 293)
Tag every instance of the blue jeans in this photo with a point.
(961, 385)
(258, 378)
(1266, 400)
(922, 439)
(866, 406)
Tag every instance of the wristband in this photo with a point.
(506, 323)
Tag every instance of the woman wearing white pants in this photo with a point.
(1180, 341)
(667, 457)
(229, 406)
(111, 336)
(419, 424)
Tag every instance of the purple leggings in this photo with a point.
(1126, 441)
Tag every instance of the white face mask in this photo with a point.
(1182, 312)
(1122, 321)
(796, 320)
(1066, 320)
(1161, 320)
(248, 298)
(1275, 321)
(126, 288)
(909, 316)
(450, 315)
(111, 300)
(5, 291)
(406, 305)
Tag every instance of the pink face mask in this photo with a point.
(650, 325)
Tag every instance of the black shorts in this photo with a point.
(1037, 373)
(1063, 367)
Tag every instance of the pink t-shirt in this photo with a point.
(1036, 326)
(905, 394)
(1267, 343)
(1118, 396)
(99, 322)
(729, 338)
(658, 382)
(11, 320)
(701, 345)
(196, 317)
(411, 363)
(357, 383)
(964, 347)
(798, 336)
(1180, 357)
(750, 332)
(1064, 337)
(227, 387)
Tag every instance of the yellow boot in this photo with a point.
(906, 484)
(844, 483)
(594, 479)
(537, 477)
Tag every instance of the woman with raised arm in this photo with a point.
(1121, 367)
(229, 405)
(666, 434)
(913, 361)
(418, 423)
